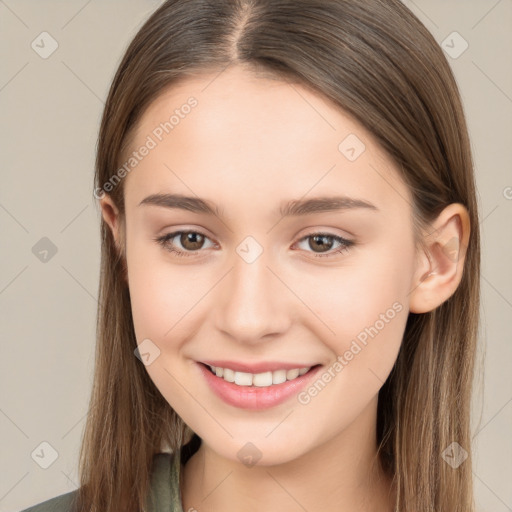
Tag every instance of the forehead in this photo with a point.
(233, 134)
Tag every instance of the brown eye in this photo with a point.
(321, 244)
(191, 240)
(183, 243)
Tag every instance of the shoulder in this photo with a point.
(162, 461)
(164, 487)
(60, 503)
(164, 472)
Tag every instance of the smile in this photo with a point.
(257, 379)
(256, 391)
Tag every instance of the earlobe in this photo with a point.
(439, 269)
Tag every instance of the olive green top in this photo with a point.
(164, 494)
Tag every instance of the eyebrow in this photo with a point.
(295, 207)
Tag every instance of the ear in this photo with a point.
(110, 214)
(440, 264)
(112, 217)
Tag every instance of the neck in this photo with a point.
(341, 474)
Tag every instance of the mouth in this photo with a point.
(262, 379)
(258, 391)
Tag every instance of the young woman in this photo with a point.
(290, 266)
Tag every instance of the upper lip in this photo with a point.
(265, 366)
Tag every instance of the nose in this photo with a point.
(252, 303)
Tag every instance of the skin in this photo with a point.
(250, 144)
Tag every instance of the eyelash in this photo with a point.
(164, 242)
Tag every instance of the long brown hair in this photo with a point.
(379, 63)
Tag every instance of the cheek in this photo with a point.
(166, 298)
(361, 300)
(361, 310)
(154, 294)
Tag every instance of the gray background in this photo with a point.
(50, 117)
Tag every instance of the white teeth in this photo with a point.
(243, 379)
(278, 377)
(292, 374)
(259, 379)
(262, 379)
(229, 375)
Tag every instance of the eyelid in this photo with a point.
(328, 232)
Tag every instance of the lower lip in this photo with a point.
(254, 397)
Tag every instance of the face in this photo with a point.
(253, 287)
